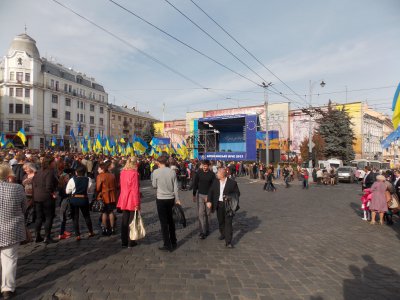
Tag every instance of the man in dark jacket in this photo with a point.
(18, 169)
(44, 186)
(369, 178)
(201, 186)
(221, 187)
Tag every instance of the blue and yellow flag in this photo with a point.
(2, 140)
(53, 141)
(9, 144)
(139, 144)
(396, 108)
(21, 134)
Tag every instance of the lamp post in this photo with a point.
(265, 87)
(312, 84)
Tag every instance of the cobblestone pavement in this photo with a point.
(291, 244)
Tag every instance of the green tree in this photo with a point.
(335, 127)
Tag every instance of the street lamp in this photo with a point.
(312, 84)
(265, 86)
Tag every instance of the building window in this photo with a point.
(12, 78)
(54, 113)
(113, 117)
(18, 108)
(56, 85)
(27, 93)
(91, 107)
(125, 119)
(27, 77)
(119, 118)
(10, 125)
(77, 117)
(20, 76)
(54, 98)
(18, 124)
(91, 120)
(11, 108)
(65, 87)
(77, 104)
(18, 92)
(68, 115)
(67, 129)
(54, 128)
(27, 109)
(11, 92)
(130, 120)
(83, 105)
(69, 88)
(91, 132)
(82, 118)
(101, 109)
(101, 121)
(52, 83)
(67, 102)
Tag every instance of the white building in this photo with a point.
(46, 98)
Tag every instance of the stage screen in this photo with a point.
(232, 141)
(231, 137)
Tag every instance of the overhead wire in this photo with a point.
(182, 42)
(230, 52)
(245, 49)
(129, 44)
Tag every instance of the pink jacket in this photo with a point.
(129, 198)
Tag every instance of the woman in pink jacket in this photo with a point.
(129, 199)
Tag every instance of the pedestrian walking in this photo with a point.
(380, 197)
(222, 187)
(286, 175)
(129, 199)
(202, 183)
(269, 185)
(12, 229)
(305, 176)
(166, 183)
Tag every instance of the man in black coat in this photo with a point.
(221, 187)
(369, 178)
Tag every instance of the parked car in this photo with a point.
(346, 174)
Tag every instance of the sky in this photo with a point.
(350, 45)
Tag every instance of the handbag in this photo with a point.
(231, 204)
(394, 202)
(178, 215)
(136, 228)
(98, 205)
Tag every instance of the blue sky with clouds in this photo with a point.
(346, 43)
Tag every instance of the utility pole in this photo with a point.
(310, 143)
(266, 86)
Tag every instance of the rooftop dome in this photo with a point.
(24, 42)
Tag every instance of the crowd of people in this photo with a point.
(381, 194)
(36, 185)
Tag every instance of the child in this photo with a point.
(366, 200)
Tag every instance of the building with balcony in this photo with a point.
(46, 98)
(125, 122)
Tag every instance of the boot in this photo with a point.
(389, 220)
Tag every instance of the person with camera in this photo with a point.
(222, 188)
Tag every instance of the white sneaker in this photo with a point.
(364, 219)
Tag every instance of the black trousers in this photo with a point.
(164, 209)
(225, 223)
(85, 210)
(127, 217)
(45, 212)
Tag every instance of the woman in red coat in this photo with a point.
(129, 199)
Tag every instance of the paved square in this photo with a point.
(292, 244)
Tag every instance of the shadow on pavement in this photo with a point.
(243, 225)
(372, 282)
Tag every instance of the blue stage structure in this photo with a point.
(228, 138)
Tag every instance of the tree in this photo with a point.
(318, 151)
(335, 127)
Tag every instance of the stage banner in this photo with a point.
(196, 138)
(250, 137)
(225, 156)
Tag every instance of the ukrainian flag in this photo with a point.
(53, 142)
(9, 144)
(396, 108)
(139, 144)
(2, 140)
(21, 134)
